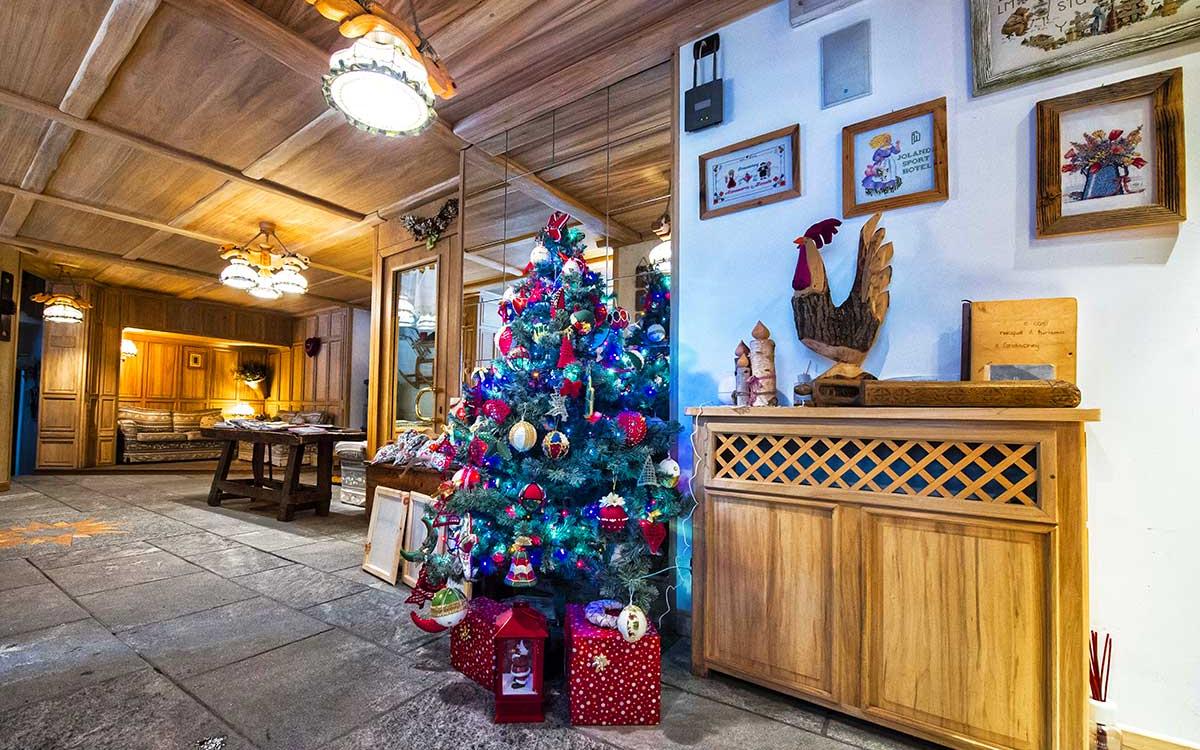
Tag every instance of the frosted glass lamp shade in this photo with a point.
(239, 275)
(379, 87)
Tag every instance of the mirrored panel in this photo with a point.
(416, 306)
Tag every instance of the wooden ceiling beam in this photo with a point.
(637, 52)
(118, 32)
(39, 109)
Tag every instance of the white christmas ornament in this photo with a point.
(668, 472)
(632, 623)
(571, 268)
(539, 254)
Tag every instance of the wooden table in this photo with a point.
(289, 492)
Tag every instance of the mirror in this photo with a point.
(416, 306)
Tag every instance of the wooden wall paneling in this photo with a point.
(299, 362)
(131, 375)
(221, 385)
(193, 381)
(162, 370)
(63, 398)
(103, 379)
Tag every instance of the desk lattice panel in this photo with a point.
(989, 472)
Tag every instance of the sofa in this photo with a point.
(152, 435)
(278, 454)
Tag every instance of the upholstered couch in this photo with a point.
(278, 454)
(148, 435)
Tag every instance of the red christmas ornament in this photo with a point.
(571, 388)
(612, 513)
(496, 409)
(467, 477)
(504, 340)
(518, 354)
(618, 318)
(533, 494)
(633, 425)
(558, 220)
(601, 312)
(654, 534)
(498, 558)
(558, 300)
(566, 353)
(476, 450)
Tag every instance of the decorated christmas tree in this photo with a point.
(650, 335)
(564, 479)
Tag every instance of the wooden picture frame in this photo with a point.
(770, 158)
(1013, 45)
(866, 157)
(195, 360)
(1153, 102)
(386, 533)
(414, 534)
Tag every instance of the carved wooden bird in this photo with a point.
(844, 333)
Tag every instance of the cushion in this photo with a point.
(351, 449)
(146, 420)
(186, 421)
(195, 435)
(303, 417)
(161, 437)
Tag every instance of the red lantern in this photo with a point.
(520, 642)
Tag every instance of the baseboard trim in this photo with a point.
(5, 486)
(1138, 741)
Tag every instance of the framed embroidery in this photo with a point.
(754, 172)
(895, 160)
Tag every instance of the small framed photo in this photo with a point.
(895, 160)
(195, 360)
(1112, 157)
(752, 173)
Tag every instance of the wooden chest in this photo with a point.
(924, 569)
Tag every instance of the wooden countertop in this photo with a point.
(896, 413)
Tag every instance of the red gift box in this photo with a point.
(472, 648)
(610, 681)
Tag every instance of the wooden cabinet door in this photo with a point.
(957, 630)
(769, 599)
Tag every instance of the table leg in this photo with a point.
(324, 476)
(228, 453)
(259, 450)
(291, 480)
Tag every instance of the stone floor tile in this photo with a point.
(17, 573)
(271, 540)
(694, 722)
(299, 586)
(202, 641)
(358, 575)
(195, 543)
(57, 558)
(36, 607)
(375, 615)
(137, 711)
(871, 737)
(238, 561)
(46, 663)
(676, 672)
(458, 716)
(327, 556)
(122, 609)
(16, 508)
(90, 578)
(346, 682)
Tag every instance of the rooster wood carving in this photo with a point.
(846, 332)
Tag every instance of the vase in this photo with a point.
(1103, 731)
(1103, 183)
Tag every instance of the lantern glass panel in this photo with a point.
(518, 657)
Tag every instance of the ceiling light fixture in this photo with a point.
(62, 307)
(267, 270)
(384, 83)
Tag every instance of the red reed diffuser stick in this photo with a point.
(1101, 664)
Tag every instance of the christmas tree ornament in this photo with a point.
(618, 318)
(632, 623)
(496, 410)
(522, 436)
(637, 360)
(532, 495)
(448, 607)
(570, 387)
(649, 476)
(633, 424)
(603, 613)
(654, 533)
(466, 478)
(428, 624)
(589, 405)
(555, 445)
(539, 254)
(519, 356)
(476, 450)
(612, 513)
(668, 472)
(566, 353)
(572, 267)
(582, 321)
(558, 407)
(656, 333)
(498, 558)
(504, 340)
(520, 571)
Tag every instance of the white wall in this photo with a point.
(1138, 291)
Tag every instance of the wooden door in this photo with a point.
(769, 601)
(957, 634)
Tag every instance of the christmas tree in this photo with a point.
(565, 480)
(650, 335)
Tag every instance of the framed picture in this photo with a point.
(1015, 42)
(752, 173)
(386, 534)
(895, 160)
(1112, 157)
(195, 360)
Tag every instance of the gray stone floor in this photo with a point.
(133, 616)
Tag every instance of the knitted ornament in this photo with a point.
(466, 477)
(566, 352)
(448, 607)
(612, 513)
(555, 445)
(496, 410)
(520, 571)
(633, 425)
(533, 495)
(522, 436)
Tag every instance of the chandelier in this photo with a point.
(267, 270)
(61, 307)
(384, 83)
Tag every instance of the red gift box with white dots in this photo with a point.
(611, 682)
(472, 650)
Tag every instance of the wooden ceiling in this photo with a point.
(137, 134)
